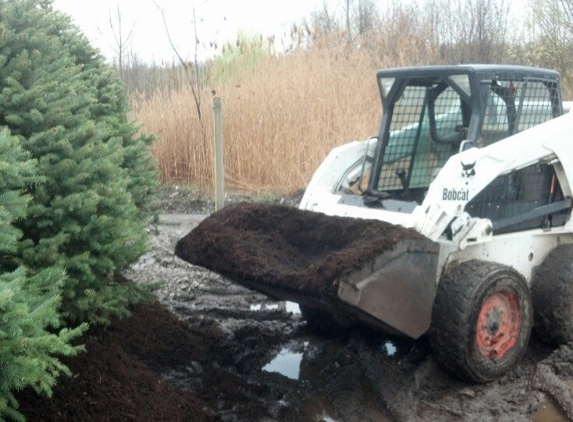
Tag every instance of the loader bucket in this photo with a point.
(370, 270)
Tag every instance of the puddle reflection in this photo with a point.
(290, 307)
(389, 348)
(287, 362)
(305, 359)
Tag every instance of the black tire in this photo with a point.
(552, 297)
(481, 321)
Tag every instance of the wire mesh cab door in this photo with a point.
(425, 120)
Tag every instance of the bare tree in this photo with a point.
(365, 16)
(355, 19)
(397, 34)
(360, 17)
(471, 30)
(121, 38)
(551, 36)
(323, 21)
(191, 70)
(403, 36)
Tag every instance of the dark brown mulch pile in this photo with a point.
(115, 379)
(303, 251)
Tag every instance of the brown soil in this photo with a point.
(152, 367)
(204, 352)
(266, 244)
(116, 378)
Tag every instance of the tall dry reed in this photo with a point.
(279, 122)
(283, 113)
(281, 118)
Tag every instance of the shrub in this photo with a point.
(28, 305)
(69, 112)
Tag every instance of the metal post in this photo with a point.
(219, 172)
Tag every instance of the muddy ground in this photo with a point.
(214, 351)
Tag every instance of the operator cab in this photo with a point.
(432, 113)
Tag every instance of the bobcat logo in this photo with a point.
(468, 170)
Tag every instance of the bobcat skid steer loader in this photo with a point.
(469, 180)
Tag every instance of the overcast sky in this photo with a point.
(217, 21)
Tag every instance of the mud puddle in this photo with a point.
(310, 359)
(270, 367)
(554, 410)
(549, 412)
(288, 361)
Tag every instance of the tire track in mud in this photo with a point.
(359, 376)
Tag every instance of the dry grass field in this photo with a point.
(283, 112)
(279, 122)
(281, 115)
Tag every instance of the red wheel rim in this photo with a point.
(498, 325)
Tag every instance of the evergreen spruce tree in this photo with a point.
(69, 112)
(28, 305)
(111, 101)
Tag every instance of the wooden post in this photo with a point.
(219, 171)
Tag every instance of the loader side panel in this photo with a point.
(518, 201)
